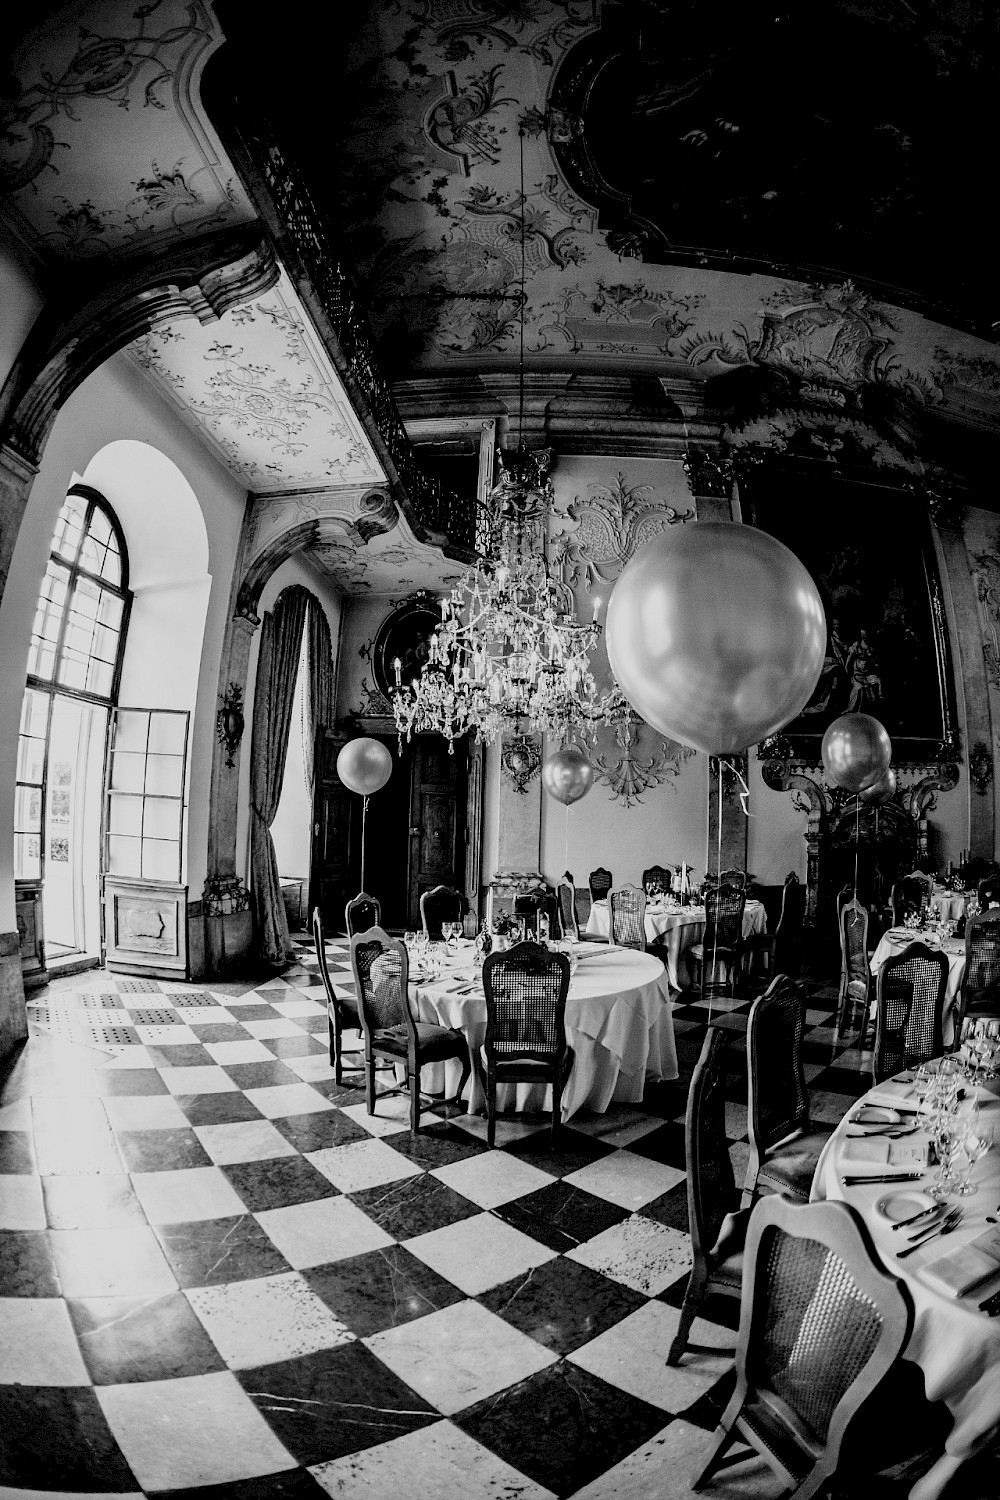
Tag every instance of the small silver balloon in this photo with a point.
(881, 792)
(364, 765)
(567, 775)
(856, 751)
(716, 635)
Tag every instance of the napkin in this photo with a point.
(880, 1150)
(966, 1266)
(891, 1095)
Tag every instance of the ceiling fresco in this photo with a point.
(259, 388)
(443, 99)
(105, 150)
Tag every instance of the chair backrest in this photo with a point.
(724, 906)
(526, 988)
(440, 904)
(788, 933)
(381, 975)
(853, 944)
(656, 880)
(627, 908)
(320, 944)
(778, 1102)
(906, 896)
(910, 1002)
(362, 912)
(566, 897)
(981, 983)
(600, 883)
(988, 892)
(711, 1184)
(821, 1320)
(733, 877)
(844, 895)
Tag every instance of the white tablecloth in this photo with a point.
(618, 1024)
(954, 950)
(956, 1346)
(949, 904)
(679, 930)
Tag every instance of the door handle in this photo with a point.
(415, 828)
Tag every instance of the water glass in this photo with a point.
(976, 1140)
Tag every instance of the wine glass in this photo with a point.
(410, 941)
(947, 1139)
(976, 1141)
(450, 931)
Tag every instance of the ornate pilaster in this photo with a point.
(710, 477)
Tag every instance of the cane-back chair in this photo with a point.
(909, 1009)
(362, 912)
(780, 950)
(341, 1010)
(717, 1227)
(600, 882)
(784, 1143)
(727, 877)
(566, 898)
(627, 910)
(721, 947)
(656, 881)
(526, 988)
(381, 977)
(988, 892)
(855, 977)
(440, 904)
(981, 982)
(822, 1324)
(906, 898)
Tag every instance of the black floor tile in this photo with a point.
(416, 1205)
(56, 1438)
(162, 1150)
(568, 1152)
(562, 1427)
(435, 1145)
(319, 1129)
(261, 1012)
(337, 1401)
(278, 1182)
(183, 1055)
(260, 1075)
(219, 1031)
(17, 1154)
(562, 1304)
(381, 1289)
(350, 1091)
(118, 1082)
(707, 1410)
(725, 1311)
(207, 1252)
(127, 1339)
(665, 1145)
(218, 1109)
(561, 1216)
(671, 1209)
(302, 1045)
(27, 1267)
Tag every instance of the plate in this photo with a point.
(904, 934)
(896, 1206)
(875, 1114)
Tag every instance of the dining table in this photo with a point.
(674, 929)
(953, 1340)
(893, 942)
(618, 1024)
(948, 904)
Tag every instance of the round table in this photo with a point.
(956, 1346)
(953, 949)
(677, 929)
(618, 1024)
(948, 904)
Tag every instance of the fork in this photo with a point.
(948, 1223)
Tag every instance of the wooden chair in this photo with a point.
(855, 975)
(722, 943)
(988, 892)
(981, 982)
(600, 882)
(526, 988)
(381, 977)
(627, 912)
(362, 912)
(717, 1229)
(909, 1009)
(440, 904)
(906, 898)
(341, 1011)
(656, 881)
(784, 1144)
(822, 1324)
(780, 950)
(566, 899)
(727, 877)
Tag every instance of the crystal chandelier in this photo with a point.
(509, 654)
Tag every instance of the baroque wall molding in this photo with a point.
(630, 769)
(609, 523)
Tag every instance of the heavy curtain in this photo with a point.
(277, 667)
(319, 683)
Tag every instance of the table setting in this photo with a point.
(918, 1157)
(674, 929)
(939, 936)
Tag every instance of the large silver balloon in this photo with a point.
(716, 635)
(856, 751)
(364, 765)
(881, 792)
(567, 774)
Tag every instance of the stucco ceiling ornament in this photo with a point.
(629, 774)
(612, 522)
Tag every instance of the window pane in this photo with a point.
(27, 808)
(123, 855)
(163, 775)
(111, 568)
(30, 758)
(35, 713)
(131, 729)
(110, 612)
(159, 860)
(27, 856)
(100, 677)
(69, 527)
(166, 733)
(125, 815)
(162, 820)
(127, 771)
(73, 670)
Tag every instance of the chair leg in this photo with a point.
(466, 1070)
(693, 1298)
(491, 1110)
(727, 1436)
(414, 1098)
(334, 1049)
(556, 1105)
(370, 1084)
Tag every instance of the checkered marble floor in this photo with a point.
(218, 1274)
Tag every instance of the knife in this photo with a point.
(852, 1181)
(944, 1227)
(925, 1213)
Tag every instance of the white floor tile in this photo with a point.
(632, 1356)
(665, 1467)
(38, 1346)
(278, 1027)
(478, 1253)
(492, 1178)
(624, 1178)
(135, 1056)
(287, 1099)
(439, 1462)
(165, 1036)
(639, 1253)
(312, 1065)
(362, 1164)
(205, 1079)
(126, 1261)
(324, 1230)
(21, 1205)
(245, 1051)
(246, 1140)
(197, 1430)
(187, 1194)
(145, 1112)
(265, 1320)
(16, 1115)
(459, 1355)
(205, 1015)
(392, 1114)
(299, 1007)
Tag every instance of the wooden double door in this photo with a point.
(416, 831)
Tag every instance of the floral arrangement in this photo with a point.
(505, 924)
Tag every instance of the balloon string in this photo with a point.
(857, 841)
(718, 871)
(566, 843)
(364, 820)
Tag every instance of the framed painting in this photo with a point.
(404, 635)
(869, 547)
